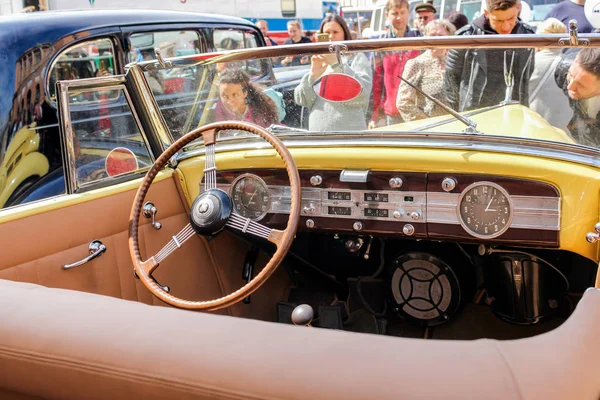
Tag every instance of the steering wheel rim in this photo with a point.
(282, 239)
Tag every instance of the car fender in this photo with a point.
(33, 164)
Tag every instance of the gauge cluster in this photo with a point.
(419, 204)
(250, 196)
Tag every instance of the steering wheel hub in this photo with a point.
(210, 211)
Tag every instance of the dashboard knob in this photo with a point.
(309, 209)
(396, 182)
(415, 215)
(408, 230)
(448, 184)
(310, 223)
(316, 180)
(358, 226)
(592, 237)
(397, 214)
(303, 315)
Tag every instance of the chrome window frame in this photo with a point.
(71, 46)
(67, 135)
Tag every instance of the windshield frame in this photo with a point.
(546, 41)
(421, 139)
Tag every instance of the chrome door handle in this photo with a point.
(96, 249)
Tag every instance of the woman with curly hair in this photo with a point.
(242, 100)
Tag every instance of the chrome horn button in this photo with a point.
(210, 211)
(206, 210)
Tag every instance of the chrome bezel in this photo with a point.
(261, 182)
(464, 224)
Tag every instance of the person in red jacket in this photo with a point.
(390, 65)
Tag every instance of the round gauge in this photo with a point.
(250, 196)
(485, 210)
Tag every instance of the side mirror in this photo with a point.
(120, 161)
(338, 87)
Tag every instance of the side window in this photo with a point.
(84, 60)
(107, 140)
(232, 39)
(288, 8)
(228, 39)
(170, 43)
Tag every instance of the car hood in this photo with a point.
(513, 120)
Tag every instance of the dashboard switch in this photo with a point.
(415, 215)
(397, 214)
(408, 230)
(396, 182)
(358, 226)
(310, 223)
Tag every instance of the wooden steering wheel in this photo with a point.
(212, 211)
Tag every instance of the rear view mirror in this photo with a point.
(338, 87)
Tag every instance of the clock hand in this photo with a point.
(487, 208)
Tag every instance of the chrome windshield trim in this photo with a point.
(370, 45)
(498, 144)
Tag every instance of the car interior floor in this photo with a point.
(350, 292)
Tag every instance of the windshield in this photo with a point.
(542, 93)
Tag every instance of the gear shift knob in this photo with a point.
(303, 315)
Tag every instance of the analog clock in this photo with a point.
(485, 210)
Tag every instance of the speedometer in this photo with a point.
(485, 210)
(250, 196)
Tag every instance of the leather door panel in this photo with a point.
(35, 248)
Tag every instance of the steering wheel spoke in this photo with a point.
(176, 242)
(210, 168)
(246, 225)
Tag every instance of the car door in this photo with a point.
(41, 240)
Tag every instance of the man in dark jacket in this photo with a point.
(580, 79)
(476, 78)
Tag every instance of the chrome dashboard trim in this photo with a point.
(530, 212)
(453, 141)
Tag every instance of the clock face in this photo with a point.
(485, 210)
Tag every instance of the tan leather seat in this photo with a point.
(63, 344)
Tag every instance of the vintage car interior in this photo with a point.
(198, 256)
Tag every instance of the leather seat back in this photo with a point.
(62, 344)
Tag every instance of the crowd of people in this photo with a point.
(549, 81)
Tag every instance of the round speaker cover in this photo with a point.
(425, 288)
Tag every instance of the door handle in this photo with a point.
(96, 248)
